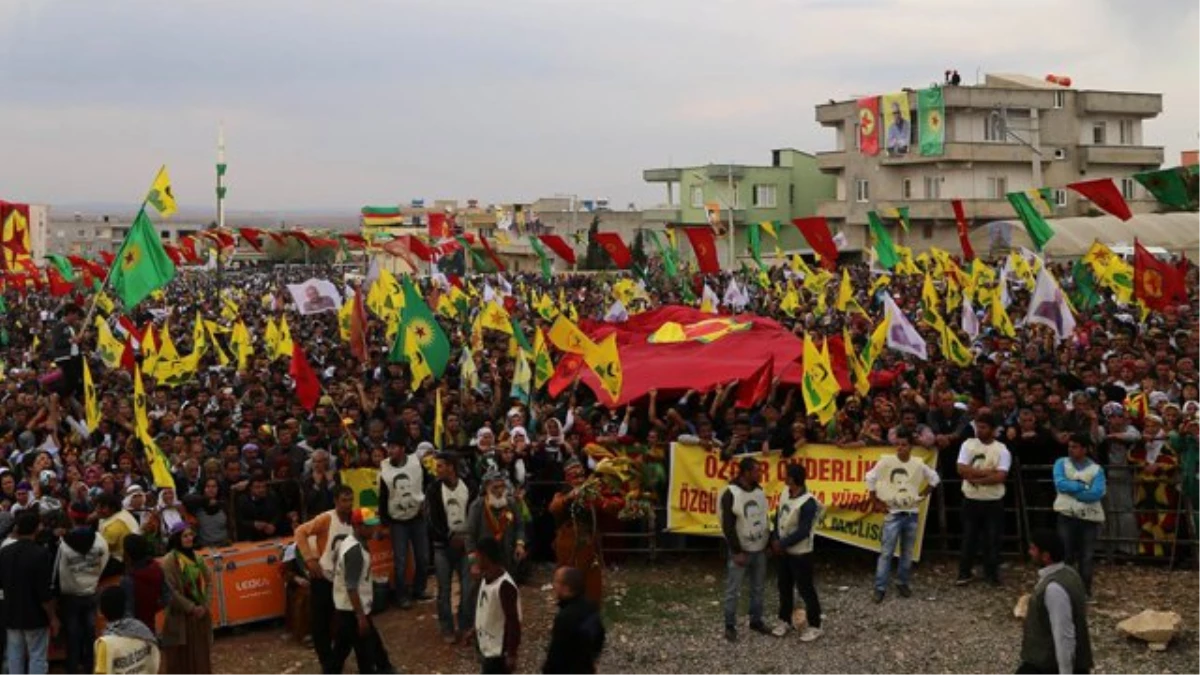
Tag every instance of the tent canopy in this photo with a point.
(1175, 232)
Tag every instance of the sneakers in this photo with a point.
(730, 634)
(878, 597)
(759, 627)
(781, 630)
(963, 580)
(811, 634)
(905, 591)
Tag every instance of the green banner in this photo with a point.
(931, 111)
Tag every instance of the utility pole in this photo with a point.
(220, 190)
(732, 204)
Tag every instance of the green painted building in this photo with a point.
(791, 187)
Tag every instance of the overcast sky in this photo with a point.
(337, 104)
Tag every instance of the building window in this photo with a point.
(764, 196)
(906, 188)
(1060, 197)
(1060, 99)
(1098, 133)
(857, 137)
(862, 191)
(1128, 187)
(993, 128)
(927, 229)
(933, 187)
(697, 197)
(1125, 130)
(997, 187)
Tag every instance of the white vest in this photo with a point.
(898, 484)
(78, 573)
(128, 655)
(750, 515)
(789, 521)
(983, 457)
(341, 594)
(455, 502)
(405, 489)
(1069, 505)
(489, 616)
(338, 531)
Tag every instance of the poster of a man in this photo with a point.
(898, 123)
(315, 296)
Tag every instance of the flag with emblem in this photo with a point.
(543, 366)
(1039, 230)
(667, 254)
(160, 195)
(420, 341)
(1175, 186)
(902, 336)
(439, 423)
(885, 249)
(91, 402)
(605, 360)
(616, 249)
(142, 265)
(108, 346)
(522, 380)
(1049, 306)
(284, 348)
(705, 247)
(953, 348)
(565, 335)
(868, 125)
(931, 115)
(495, 317)
(820, 387)
(1155, 283)
(242, 345)
(466, 369)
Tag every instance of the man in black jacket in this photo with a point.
(446, 501)
(28, 608)
(258, 513)
(65, 338)
(578, 634)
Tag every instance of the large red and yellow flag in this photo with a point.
(868, 125)
(15, 241)
(705, 332)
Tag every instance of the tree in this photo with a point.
(595, 258)
(639, 251)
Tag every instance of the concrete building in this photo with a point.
(1009, 134)
(87, 234)
(790, 187)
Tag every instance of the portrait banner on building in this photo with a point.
(897, 124)
(931, 113)
(836, 477)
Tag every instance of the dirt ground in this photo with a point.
(667, 618)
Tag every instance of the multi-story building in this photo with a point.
(1009, 134)
(88, 234)
(791, 187)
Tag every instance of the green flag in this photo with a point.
(547, 270)
(755, 236)
(667, 255)
(931, 113)
(64, 266)
(1085, 296)
(885, 250)
(1039, 230)
(519, 336)
(419, 334)
(1176, 186)
(142, 265)
(480, 265)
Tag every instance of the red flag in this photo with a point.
(354, 241)
(128, 359)
(816, 233)
(252, 237)
(487, 248)
(617, 250)
(173, 253)
(756, 387)
(108, 257)
(568, 368)
(1156, 283)
(705, 247)
(406, 245)
(559, 246)
(1104, 193)
(960, 219)
(301, 237)
(358, 329)
(325, 242)
(308, 389)
(839, 362)
(58, 285)
(868, 125)
(187, 244)
(277, 238)
(437, 226)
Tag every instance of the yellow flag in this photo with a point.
(160, 195)
(91, 403)
(243, 346)
(149, 351)
(222, 357)
(285, 347)
(166, 347)
(819, 386)
(930, 304)
(881, 281)
(466, 369)
(878, 342)
(769, 227)
(110, 348)
(344, 319)
(565, 335)
(605, 360)
(272, 338)
(791, 300)
(862, 376)
(417, 363)
(439, 429)
(229, 309)
(495, 317)
(104, 303)
(1000, 319)
(141, 421)
(386, 297)
(199, 341)
(953, 349)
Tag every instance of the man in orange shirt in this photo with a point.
(316, 540)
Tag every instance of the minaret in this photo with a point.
(221, 175)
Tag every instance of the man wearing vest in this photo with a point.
(316, 542)
(983, 464)
(795, 526)
(497, 611)
(1055, 638)
(1080, 484)
(114, 524)
(128, 645)
(81, 558)
(898, 484)
(402, 502)
(745, 526)
(352, 596)
(448, 499)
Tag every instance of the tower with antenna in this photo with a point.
(221, 175)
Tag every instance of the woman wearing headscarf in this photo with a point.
(212, 521)
(1155, 494)
(165, 517)
(187, 632)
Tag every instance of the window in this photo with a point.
(997, 187)
(906, 188)
(927, 230)
(993, 127)
(862, 191)
(1128, 188)
(857, 137)
(1098, 133)
(933, 187)
(697, 197)
(1060, 99)
(1060, 197)
(764, 196)
(1125, 131)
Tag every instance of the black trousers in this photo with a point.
(71, 384)
(983, 523)
(1030, 668)
(495, 664)
(796, 573)
(321, 614)
(78, 616)
(368, 648)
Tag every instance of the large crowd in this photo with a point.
(90, 529)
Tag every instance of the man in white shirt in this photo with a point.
(898, 484)
(983, 465)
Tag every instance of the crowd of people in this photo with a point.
(87, 527)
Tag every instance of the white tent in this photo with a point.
(1175, 232)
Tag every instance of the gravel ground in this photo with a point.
(667, 618)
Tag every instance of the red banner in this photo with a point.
(868, 125)
(560, 247)
(964, 240)
(615, 248)
(705, 247)
(1104, 193)
(816, 233)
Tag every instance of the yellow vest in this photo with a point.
(116, 654)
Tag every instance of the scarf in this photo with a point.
(191, 569)
(498, 526)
